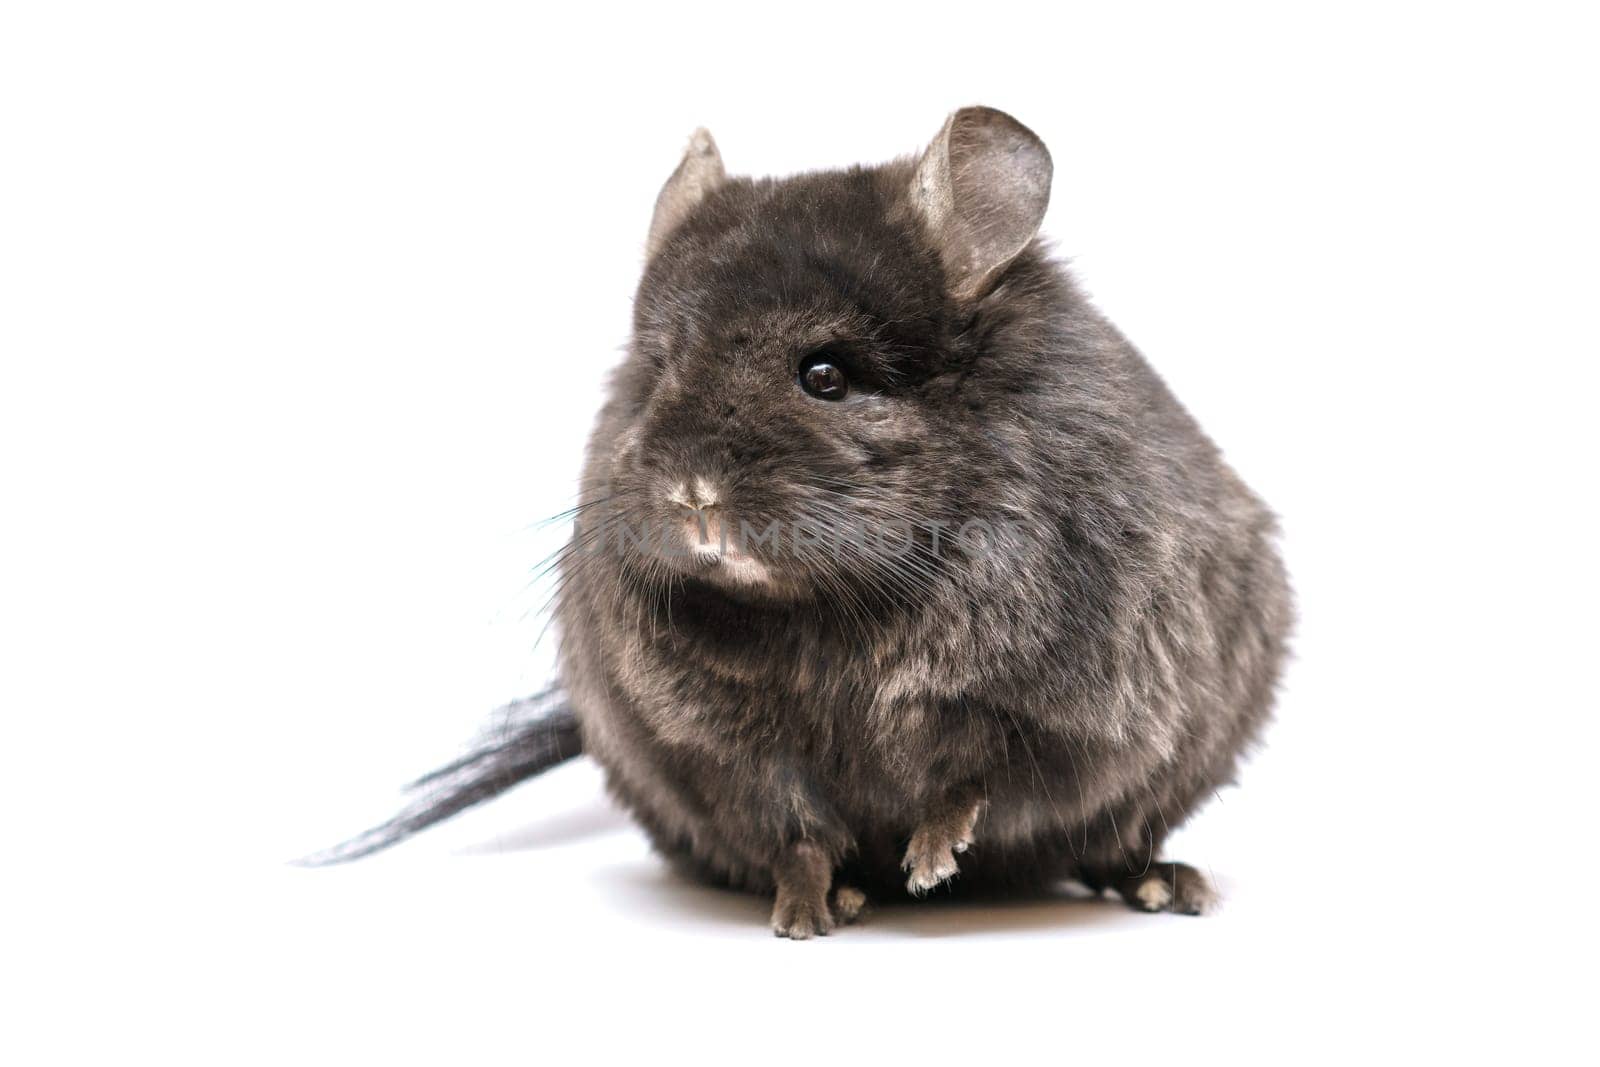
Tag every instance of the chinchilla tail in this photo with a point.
(527, 738)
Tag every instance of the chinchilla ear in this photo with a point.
(982, 188)
(699, 173)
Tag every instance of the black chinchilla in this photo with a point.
(895, 561)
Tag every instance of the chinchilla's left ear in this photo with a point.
(982, 188)
(700, 172)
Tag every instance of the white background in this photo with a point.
(304, 312)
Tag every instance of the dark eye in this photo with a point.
(823, 379)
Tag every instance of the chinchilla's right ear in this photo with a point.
(700, 172)
(981, 188)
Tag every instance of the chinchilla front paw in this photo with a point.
(931, 856)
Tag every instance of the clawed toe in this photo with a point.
(930, 858)
(1174, 887)
(848, 904)
(928, 862)
(801, 919)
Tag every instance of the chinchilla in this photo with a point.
(896, 566)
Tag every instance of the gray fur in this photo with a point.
(1084, 689)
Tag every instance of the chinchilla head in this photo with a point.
(802, 405)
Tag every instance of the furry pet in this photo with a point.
(896, 565)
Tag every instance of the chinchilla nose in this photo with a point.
(697, 493)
